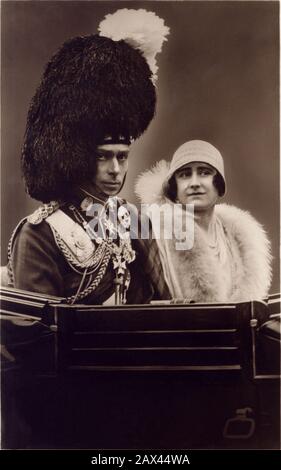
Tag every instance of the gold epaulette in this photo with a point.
(42, 212)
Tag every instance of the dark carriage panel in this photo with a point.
(153, 376)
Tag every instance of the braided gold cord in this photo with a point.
(94, 284)
(72, 261)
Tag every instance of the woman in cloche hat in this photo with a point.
(229, 260)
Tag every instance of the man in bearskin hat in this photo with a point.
(97, 96)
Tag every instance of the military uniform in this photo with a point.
(54, 255)
(96, 90)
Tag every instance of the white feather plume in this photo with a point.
(142, 29)
(149, 184)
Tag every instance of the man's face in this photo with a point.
(111, 168)
(195, 185)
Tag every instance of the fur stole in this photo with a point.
(195, 273)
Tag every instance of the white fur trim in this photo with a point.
(255, 251)
(148, 187)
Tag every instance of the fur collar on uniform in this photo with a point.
(198, 276)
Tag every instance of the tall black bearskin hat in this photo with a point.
(95, 87)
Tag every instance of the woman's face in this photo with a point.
(194, 183)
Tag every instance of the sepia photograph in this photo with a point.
(140, 227)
